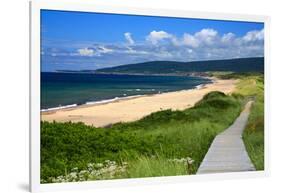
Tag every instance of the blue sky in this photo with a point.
(78, 40)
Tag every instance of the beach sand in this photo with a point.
(127, 110)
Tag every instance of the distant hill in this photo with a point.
(172, 67)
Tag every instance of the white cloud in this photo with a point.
(94, 50)
(190, 40)
(205, 44)
(206, 36)
(128, 37)
(103, 49)
(254, 36)
(156, 36)
(229, 37)
(85, 52)
(135, 52)
(206, 33)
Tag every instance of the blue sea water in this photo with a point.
(70, 89)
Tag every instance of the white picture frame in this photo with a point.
(36, 6)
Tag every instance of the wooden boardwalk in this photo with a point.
(227, 152)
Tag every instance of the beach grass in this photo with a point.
(164, 143)
(145, 166)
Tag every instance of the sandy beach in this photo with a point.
(135, 108)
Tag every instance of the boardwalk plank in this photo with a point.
(227, 152)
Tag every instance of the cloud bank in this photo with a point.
(206, 44)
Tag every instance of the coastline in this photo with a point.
(192, 74)
(116, 99)
(125, 94)
(123, 109)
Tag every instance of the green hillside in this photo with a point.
(172, 67)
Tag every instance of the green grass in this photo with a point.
(252, 85)
(147, 146)
(158, 166)
(254, 133)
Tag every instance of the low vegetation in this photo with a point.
(165, 143)
(251, 85)
(254, 133)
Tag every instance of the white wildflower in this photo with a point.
(189, 160)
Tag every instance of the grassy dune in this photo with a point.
(165, 143)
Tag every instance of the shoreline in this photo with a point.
(90, 103)
(191, 74)
(123, 109)
(116, 99)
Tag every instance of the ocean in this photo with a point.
(61, 90)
